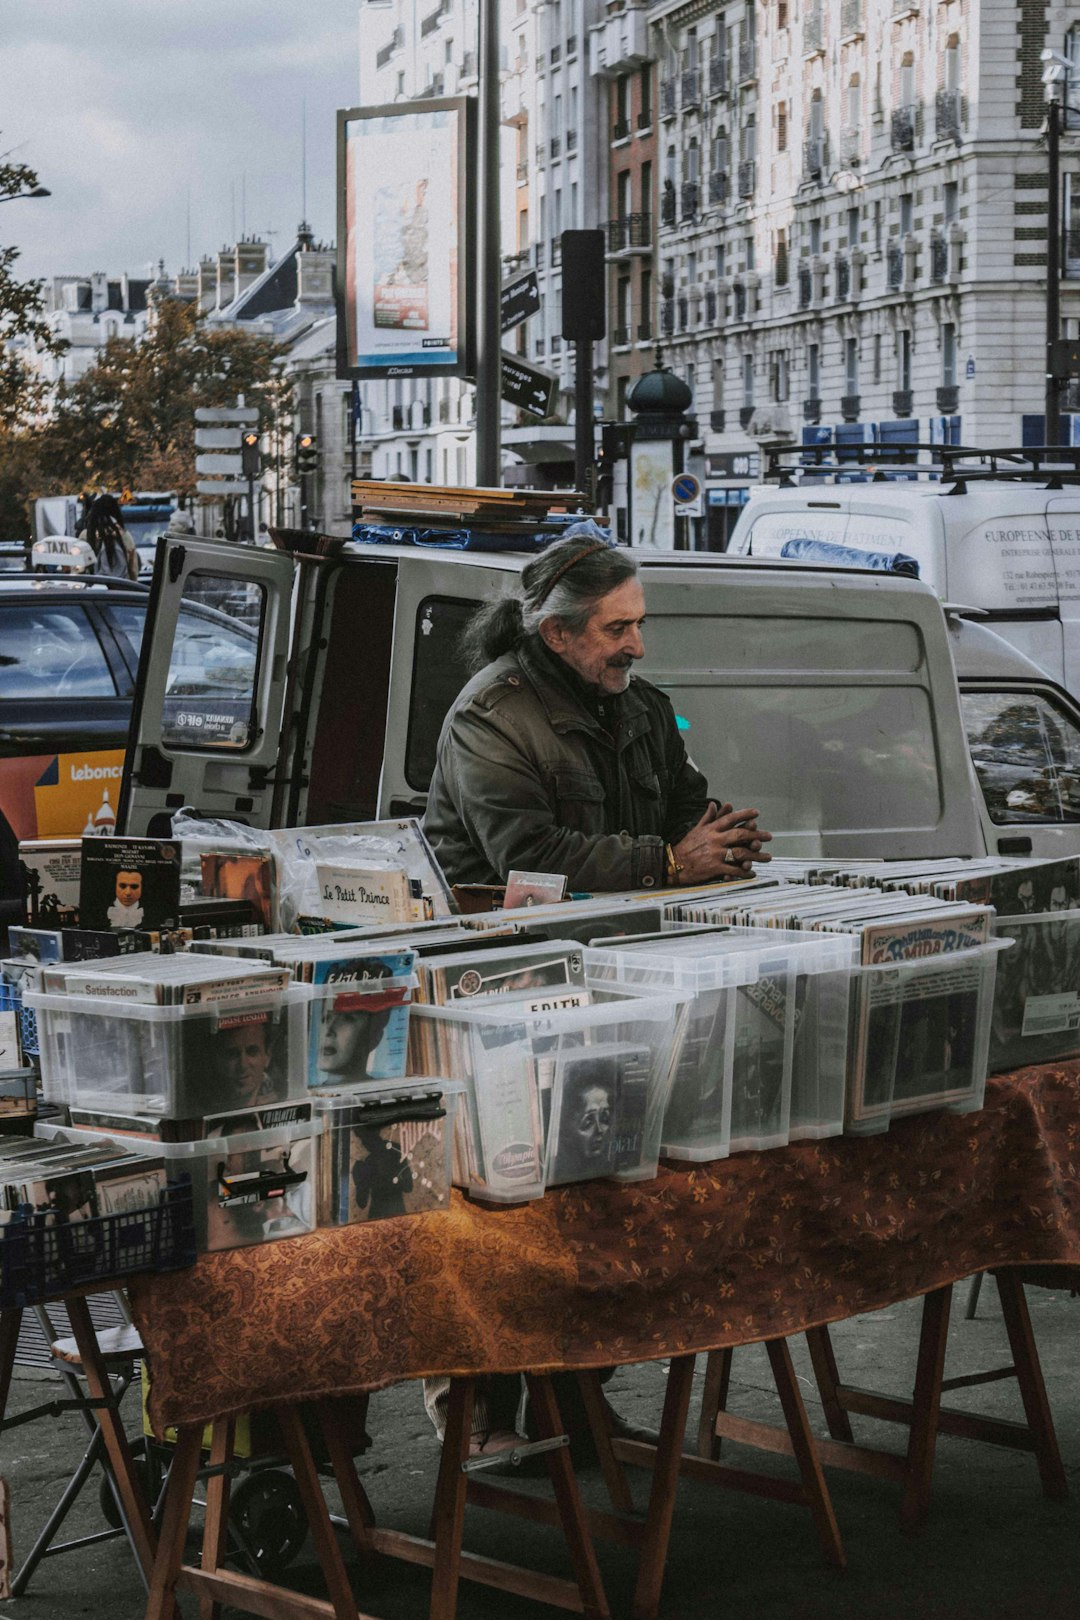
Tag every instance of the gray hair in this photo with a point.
(564, 583)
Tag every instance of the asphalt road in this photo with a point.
(994, 1548)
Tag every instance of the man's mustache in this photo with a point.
(622, 661)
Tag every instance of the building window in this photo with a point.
(718, 384)
(721, 261)
(951, 201)
(907, 213)
(622, 105)
(693, 160)
(748, 250)
(645, 92)
(781, 270)
(851, 365)
(781, 126)
(952, 63)
(907, 80)
(748, 379)
(781, 13)
(853, 227)
(904, 366)
(877, 357)
(815, 236)
(778, 376)
(646, 188)
(813, 371)
(877, 225)
(854, 102)
(948, 355)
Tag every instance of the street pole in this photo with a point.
(584, 431)
(488, 325)
(1052, 434)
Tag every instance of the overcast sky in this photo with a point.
(125, 107)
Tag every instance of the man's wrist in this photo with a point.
(672, 867)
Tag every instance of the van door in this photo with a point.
(436, 598)
(1025, 746)
(206, 723)
(1063, 523)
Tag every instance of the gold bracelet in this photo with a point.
(673, 867)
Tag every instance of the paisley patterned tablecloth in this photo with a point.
(748, 1248)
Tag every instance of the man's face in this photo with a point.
(604, 652)
(243, 1059)
(1025, 894)
(129, 888)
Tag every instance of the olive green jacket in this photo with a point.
(528, 778)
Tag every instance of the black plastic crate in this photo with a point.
(41, 1261)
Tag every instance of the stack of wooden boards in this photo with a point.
(514, 511)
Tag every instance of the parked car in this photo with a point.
(69, 652)
(13, 557)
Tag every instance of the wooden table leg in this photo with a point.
(805, 1450)
(714, 1398)
(568, 1500)
(657, 1533)
(597, 1411)
(174, 1522)
(128, 1484)
(306, 1474)
(216, 1525)
(449, 1515)
(1032, 1388)
(10, 1322)
(823, 1357)
(926, 1407)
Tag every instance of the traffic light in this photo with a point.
(249, 453)
(307, 454)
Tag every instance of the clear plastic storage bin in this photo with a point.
(385, 1151)
(920, 1036)
(180, 1062)
(554, 1097)
(1036, 1015)
(248, 1188)
(762, 1059)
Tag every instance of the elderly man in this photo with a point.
(555, 758)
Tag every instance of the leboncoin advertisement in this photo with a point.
(61, 795)
(403, 259)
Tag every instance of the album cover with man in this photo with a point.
(129, 883)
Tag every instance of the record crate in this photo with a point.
(177, 1061)
(42, 1259)
(763, 1055)
(920, 1035)
(385, 1150)
(247, 1187)
(1036, 1015)
(553, 1097)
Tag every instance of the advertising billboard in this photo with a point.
(405, 237)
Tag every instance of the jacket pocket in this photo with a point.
(579, 800)
(648, 790)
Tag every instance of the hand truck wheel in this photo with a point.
(267, 1513)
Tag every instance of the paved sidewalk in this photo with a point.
(994, 1548)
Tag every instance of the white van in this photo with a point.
(827, 698)
(1009, 548)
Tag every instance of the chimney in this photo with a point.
(207, 285)
(99, 291)
(187, 285)
(315, 276)
(226, 276)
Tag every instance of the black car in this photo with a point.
(69, 653)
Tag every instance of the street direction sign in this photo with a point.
(519, 299)
(240, 414)
(218, 438)
(221, 486)
(530, 388)
(218, 464)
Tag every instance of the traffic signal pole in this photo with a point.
(489, 280)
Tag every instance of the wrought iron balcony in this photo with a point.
(690, 199)
(806, 286)
(747, 177)
(468, 65)
(571, 45)
(746, 416)
(571, 140)
(620, 337)
(555, 145)
(948, 399)
(849, 407)
(719, 187)
(668, 98)
(811, 410)
(556, 251)
(939, 258)
(691, 88)
(629, 232)
(395, 43)
(710, 307)
(645, 330)
(902, 401)
(669, 205)
(682, 312)
(843, 278)
(716, 421)
(894, 268)
(667, 317)
(538, 254)
(902, 129)
(719, 76)
(747, 61)
(522, 173)
(852, 18)
(813, 32)
(903, 8)
(739, 301)
(555, 54)
(947, 115)
(850, 146)
(645, 119)
(814, 157)
(620, 130)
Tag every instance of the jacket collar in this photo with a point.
(570, 703)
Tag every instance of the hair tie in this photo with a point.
(597, 545)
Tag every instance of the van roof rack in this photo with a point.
(955, 464)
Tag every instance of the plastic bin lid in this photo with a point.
(416, 1088)
(717, 961)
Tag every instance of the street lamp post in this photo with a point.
(1054, 73)
(489, 333)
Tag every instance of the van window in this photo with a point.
(51, 652)
(438, 675)
(210, 691)
(1026, 752)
